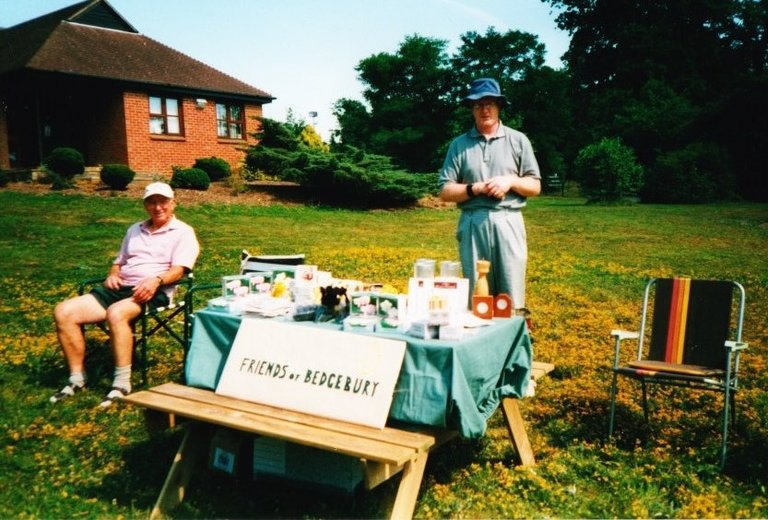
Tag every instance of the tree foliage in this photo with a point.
(413, 98)
(347, 177)
(608, 171)
(407, 93)
(669, 76)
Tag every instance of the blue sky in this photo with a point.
(304, 52)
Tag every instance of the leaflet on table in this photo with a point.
(452, 291)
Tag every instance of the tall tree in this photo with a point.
(414, 97)
(406, 92)
(508, 57)
(662, 75)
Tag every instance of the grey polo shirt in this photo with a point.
(472, 158)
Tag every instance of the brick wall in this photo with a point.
(154, 154)
(5, 162)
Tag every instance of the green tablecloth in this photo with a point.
(456, 385)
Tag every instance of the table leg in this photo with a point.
(516, 427)
(176, 482)
(410, 482)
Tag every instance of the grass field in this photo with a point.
(587, 269)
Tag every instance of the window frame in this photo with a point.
(165, 116)
(229, 121)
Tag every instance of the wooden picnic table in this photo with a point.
(383, 453)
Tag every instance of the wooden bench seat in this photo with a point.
(383, 452)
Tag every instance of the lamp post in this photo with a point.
(313, 115)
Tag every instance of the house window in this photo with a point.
(229, 119)
(164, 116)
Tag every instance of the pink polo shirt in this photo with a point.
(144, 253)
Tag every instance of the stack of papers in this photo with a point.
(470, 321)
(268, 306)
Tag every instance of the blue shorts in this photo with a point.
(107, 297)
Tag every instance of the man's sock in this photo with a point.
(123, 378)
(77, 379)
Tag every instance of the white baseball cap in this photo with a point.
(158, 188)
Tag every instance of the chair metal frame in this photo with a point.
(725, 381)
(161, 317)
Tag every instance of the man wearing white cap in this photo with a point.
(155, 254)
(490, 171)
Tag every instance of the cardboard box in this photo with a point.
(224, 453)
(362, 303)
(273, 457)
(234, 286)
(259, 282)
(392, 309)
(423, 330)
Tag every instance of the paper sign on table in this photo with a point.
(329, 373)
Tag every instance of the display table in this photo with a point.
(454, 385)
(443, 389)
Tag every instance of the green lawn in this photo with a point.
(587, 268)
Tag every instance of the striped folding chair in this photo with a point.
(695, 342)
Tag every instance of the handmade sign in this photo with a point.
(329, 373)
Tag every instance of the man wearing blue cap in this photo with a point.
(490, 171)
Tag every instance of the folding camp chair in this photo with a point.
(691, 341)
(151, 321)
(251, 263)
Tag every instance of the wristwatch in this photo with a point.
(470, 193)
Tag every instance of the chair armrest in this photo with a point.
(735, 346)
(621, 335)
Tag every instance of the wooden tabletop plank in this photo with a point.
(410, 439)
(308, 435)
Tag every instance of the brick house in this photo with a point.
(83, 77)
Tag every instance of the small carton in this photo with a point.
(423, 330)
(362, 303)
(259, 282)
(391, 308)
(234, 286)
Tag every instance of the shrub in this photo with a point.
(350, 178)
(216, 167)
(698, 173)
(59, 182)
(65, 162)
(608, 171)
(190, 178)
(116, 176)
(3, 178)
